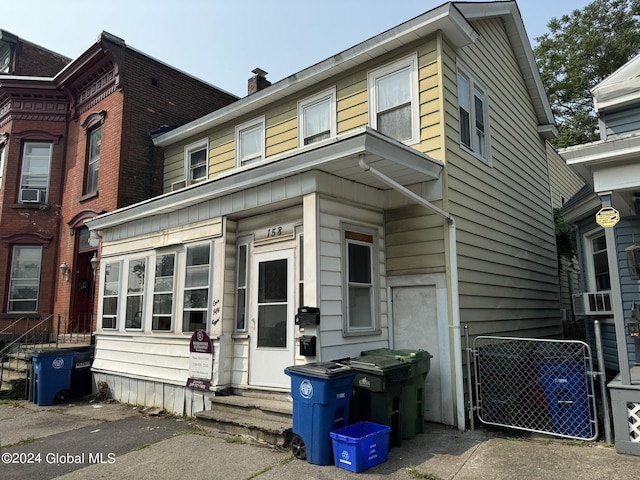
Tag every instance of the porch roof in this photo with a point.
(339, 157)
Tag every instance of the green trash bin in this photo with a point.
(412, 399)
(377, 392)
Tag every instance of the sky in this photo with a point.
(222, 41)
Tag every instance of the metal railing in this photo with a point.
(26, 335)
(544, 386)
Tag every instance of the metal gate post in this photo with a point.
(603, 383)
(469, 382)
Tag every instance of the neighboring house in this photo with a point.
(22, 58)
(73, 145)
(606, 215)
(401, 187)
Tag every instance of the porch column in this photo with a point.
(616, 296)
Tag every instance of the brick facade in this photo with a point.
(131, 94)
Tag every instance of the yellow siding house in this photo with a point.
(401, 187)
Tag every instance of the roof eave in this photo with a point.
(445, 18)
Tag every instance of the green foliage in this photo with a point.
(565, 237)
(579, 51)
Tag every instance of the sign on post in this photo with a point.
(200, 361)
(607, 217)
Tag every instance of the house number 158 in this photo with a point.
(274, 232)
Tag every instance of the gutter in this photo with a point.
(455, 297)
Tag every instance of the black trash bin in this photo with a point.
(413, 389)
(81, 380)
(377, 392)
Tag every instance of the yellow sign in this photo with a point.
(607, 217)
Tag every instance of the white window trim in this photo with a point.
(475, 85)
(587, 242)
(316, 99)
(152, 290)
(179, 307)
(374, 75)
(22, 171)
(144, 294)
(246, 243)
(193, 147)
(12, 280)
(259, 122)
(375, 280)
(2, 150)
(103, 282)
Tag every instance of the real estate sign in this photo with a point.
(200, 361)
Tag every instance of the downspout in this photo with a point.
(453, 261)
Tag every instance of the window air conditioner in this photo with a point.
(178, 185)
(592, 303)
(31, 195)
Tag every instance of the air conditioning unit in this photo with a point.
(32, 195)
(592, 304)
(178, 185)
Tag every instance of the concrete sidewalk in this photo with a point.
(111, 440)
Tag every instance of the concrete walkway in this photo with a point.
(110, 440)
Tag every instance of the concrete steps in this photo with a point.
(265, 418)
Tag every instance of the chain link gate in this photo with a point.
(543, 386)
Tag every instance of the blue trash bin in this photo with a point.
(321, 394)
(567, 391)
(52, 376)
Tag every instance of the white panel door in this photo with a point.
(272, 318)
(415, 326)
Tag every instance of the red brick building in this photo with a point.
(72, 146)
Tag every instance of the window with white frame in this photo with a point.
(110, 292)
(250, 142)
(34, 179)
(360, 253)
(93, 160)
(473, 115)
(135, 293)
(241, 287)
(317, 118)
(393, 100)
(163, 285)
(196, 161)
(597, 260)
(196, 288)
(24, 285)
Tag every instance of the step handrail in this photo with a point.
(24, 335)
(9, 326)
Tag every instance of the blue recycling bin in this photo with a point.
(321, 394)
(52, 375)
(567, 392)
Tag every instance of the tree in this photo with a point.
(579, 51)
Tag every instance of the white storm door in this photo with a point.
(272, 318)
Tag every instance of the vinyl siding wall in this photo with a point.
(352, 112)
(563, 180)
(508, 277)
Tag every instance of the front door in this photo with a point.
(271, 318)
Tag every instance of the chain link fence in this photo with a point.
(543, 386)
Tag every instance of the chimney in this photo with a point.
(258, 81)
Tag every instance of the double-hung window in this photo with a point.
(393, 100)
(24, 285)
(317, 118)
(196, 161)
(360, 254)
(110, 293)
(135, 293)
(163, 292)
(36, 166)
(93, 160)
(473, 116)
(196, 288)
(250, 142)
(597, 262)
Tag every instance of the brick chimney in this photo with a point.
(258, 81)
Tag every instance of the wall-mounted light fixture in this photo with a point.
(95, 263)
(64, 271)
